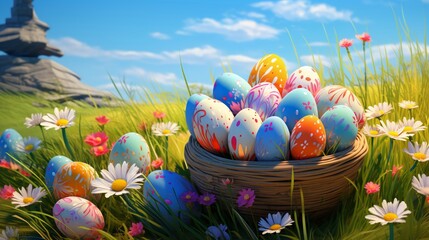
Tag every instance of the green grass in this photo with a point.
(405, 79)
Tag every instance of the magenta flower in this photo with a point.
(136, 229)
(364, 37)
(371, 188)
(246, 198)
(189, 197)
(346, 43)
(207, 199)
(7, 192)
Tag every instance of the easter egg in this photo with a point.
(242, 134)
(211, 122)
(73, 179)
(8, 141)
(53, 166)
(231, 89)
(72, 213)
(308, 138)
(341, 130)
(296, 105)
(191, 104)
(164, 191)
(304, 77)
(330, 96)
(270, 68)
(272, 140)
(133, 149)
(264, 98)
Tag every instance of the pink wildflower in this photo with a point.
(365, 37)
(227, 181)
(136, 229)
(207, 199)
(102, 120)
(100, 150)
(246, 198)
(396, 169)
(159, 115)
(157, 163)
(7, 192)
(96, 139)
(371, 187)
(346, 43)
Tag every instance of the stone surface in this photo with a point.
(49, 80)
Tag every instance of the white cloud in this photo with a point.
(161, 78)
(318, 59)
(255, 15)
(160, 36)
(235, 30)
(304, 10)
(318, 44)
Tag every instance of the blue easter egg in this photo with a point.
(53, 166)
(191, 104)
(295, 105)
(231, 89)
(163, 189)
(8, 142)
(133, 149)
(272, 140)
(341, 128)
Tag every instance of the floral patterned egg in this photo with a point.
(330, 96)
(191, 104)
(73, 179)
(270, 68)
(272, 140)
(8, 141)
(211, 122)
(72, 213)
(242, 134)
(341, 129)
(163, 186)
(231, 89)
(53, 166)
(296, 105)
(304, 77)
(264, 98)
(133, 149)
(308, 138)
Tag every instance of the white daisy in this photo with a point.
(408, 104)
(165, 129)
(372, 131)
(35, 120)
(388, 213)
(274, 223)
(393, 130)
(28, 196)
(411, 126)
(60, 119)
(421, 184)
(418, 152)
(28, 145)
(378, 110)
(117, 180)
(9, 233)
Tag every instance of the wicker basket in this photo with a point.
(323, 180)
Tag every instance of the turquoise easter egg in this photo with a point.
(231, 89)
(133, 149)
(53, 166)
(295, 105)
(191, 104)
(163, 190)
(272, 140)
(341, 128)
(8, 141)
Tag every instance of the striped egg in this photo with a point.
(308, 139)
(73, 179)
(270, 68)
(264, 98)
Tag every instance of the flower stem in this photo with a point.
(390, 149)
(166, 152)
(391, 232)
(414, 166)
(66, 142)
(43, 133)
(365, 80)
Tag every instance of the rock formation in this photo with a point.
(23, 38)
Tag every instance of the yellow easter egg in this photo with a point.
(270, 68)
(73, 179)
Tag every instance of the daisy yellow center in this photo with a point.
(246, 197)
(373, 132)
(275, 227)
(408, 129)
(409, 105)
(29, 147)
(119, 185)
(393, 133)
(390, 216)
(381, 112)
(419, 155)
(206, 198)
(62, 122)
(166, 131)
(28, 200)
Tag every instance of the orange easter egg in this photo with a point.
(270, 68)
(308, 138)
(73, 179)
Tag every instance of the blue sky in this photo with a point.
(140, 41)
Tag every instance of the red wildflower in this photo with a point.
(96, 139)
(159, 115)
(7, 192)
(365, 37)
(346, 43)
(102, 120)
(157, 163)
(100, 150)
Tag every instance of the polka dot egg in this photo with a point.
(8, 141)
(308, 138)
(304, 77)
(73, 179)
(270, 68)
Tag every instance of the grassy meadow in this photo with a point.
(404, 77)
